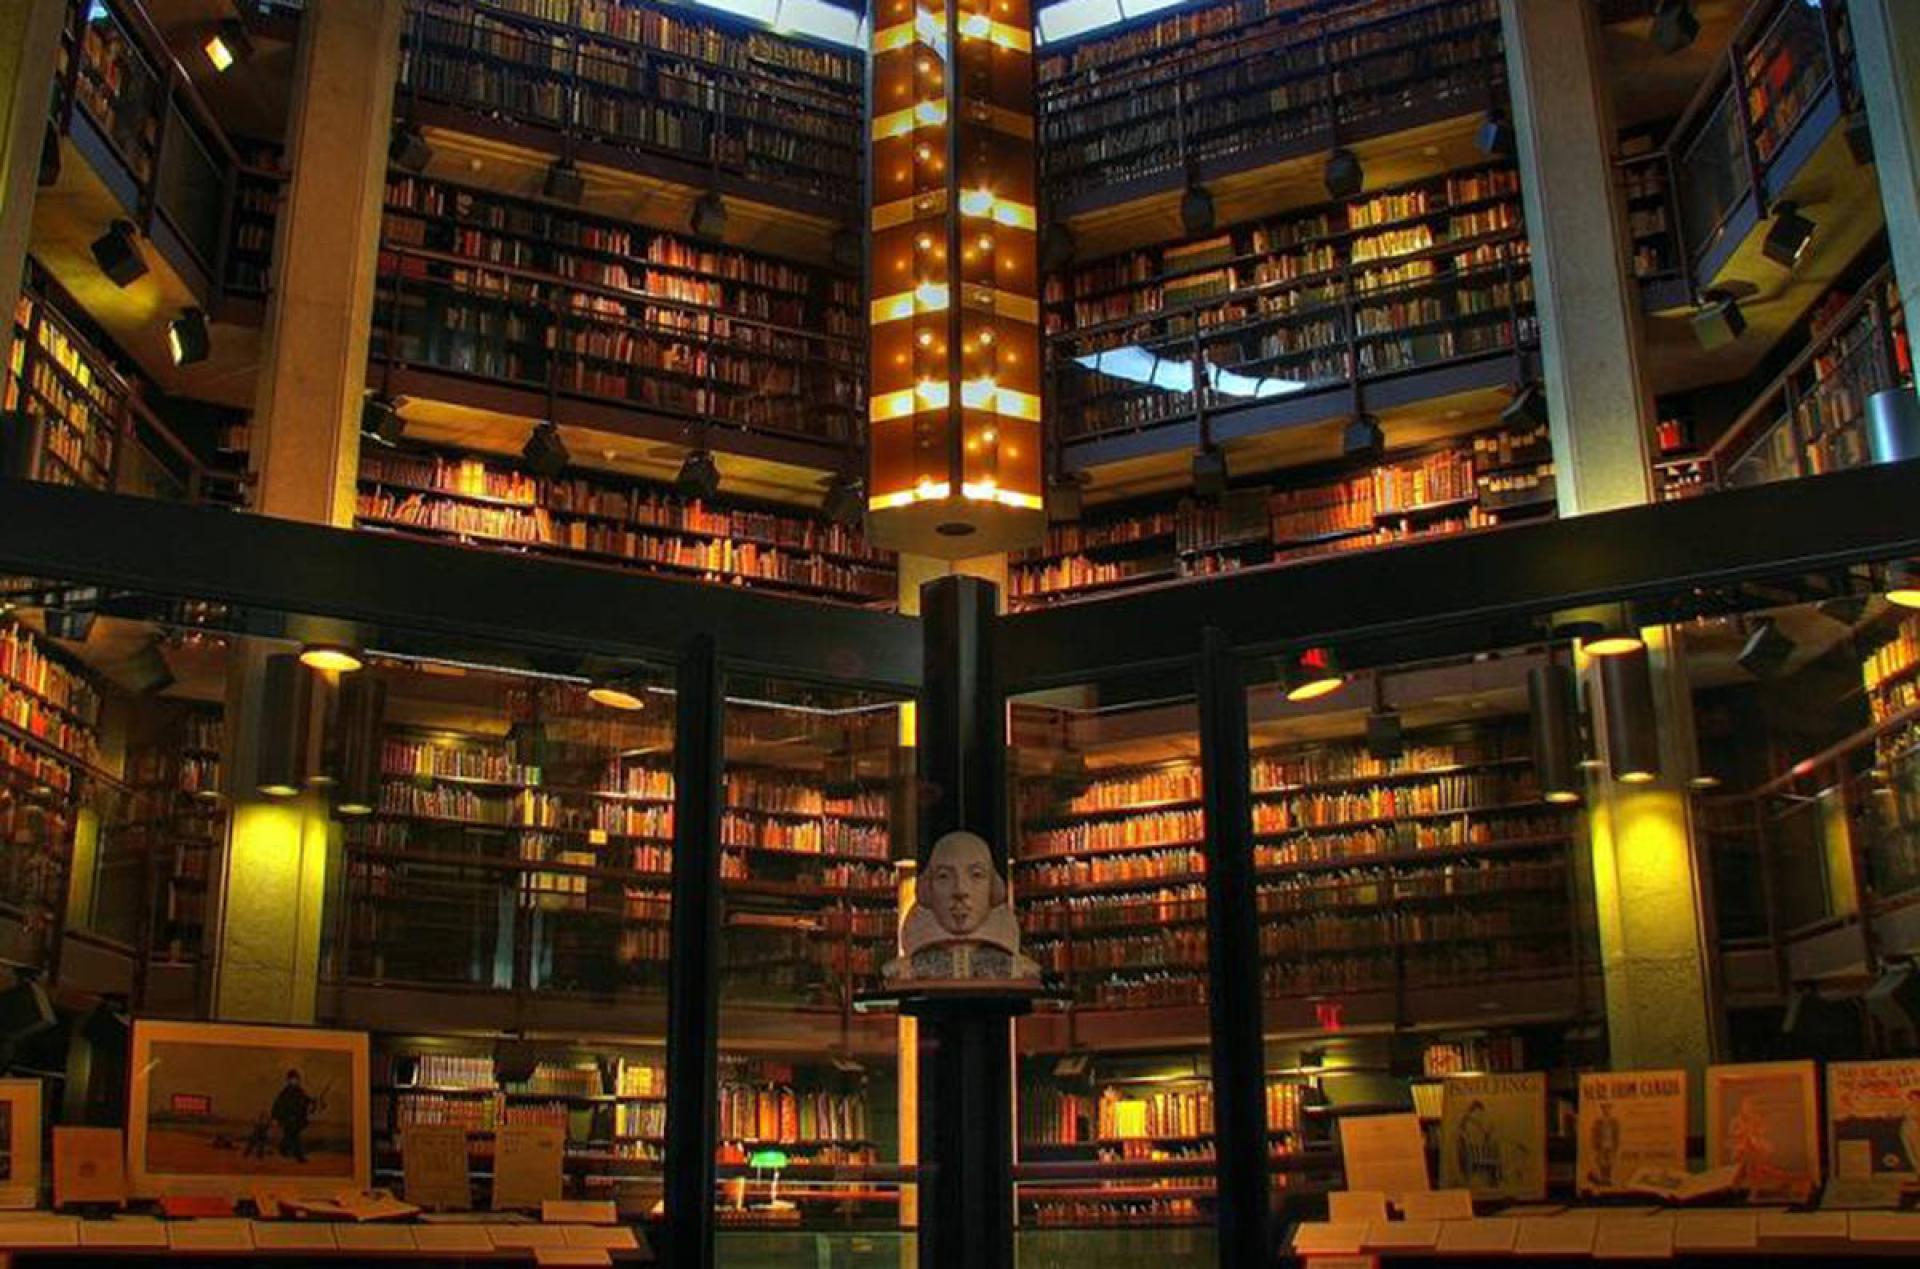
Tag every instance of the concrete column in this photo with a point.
(306, 426)
(29, 55)
(1589, 304)
(1886, 38)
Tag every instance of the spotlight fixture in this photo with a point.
(1209, 473)
(845, 501)
(1554, 711)
(1718, 321)
(146, 672)
(1675, 25)
(1363, 440)
(1496, 136)
(1312, 674)
(228, 45)
(1633, 741)
(361, 717)
(1344, 175)
(1893, 425)
(1528, 407)
(709, 217)
(1386, 734)
(380, 419)
(188, 338)
(1066, 498)
(620, 693)
(117, 252)
(1767, 650)
(281, 747)
(333, 657)
(1903, 584)
(409, 149)
(1196, 210)
(1789, 236)
(564, 183)
(545, 453)
(699, 476)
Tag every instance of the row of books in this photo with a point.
(782, 1114)
(761, 792)
(1339, 763)
(1361, 886)
(858, 879)
(1325, 846)
(402, 757)
(1315, 932)
(1465, 793)
(1146, 866)
(25, 664)
(805, 837)
(1084, 913)
(526, 808)
(1420, 965)
(1181, 947)
(1149, 828)
(1167, 784)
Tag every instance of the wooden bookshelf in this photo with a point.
(618, 522)
(781, 112)
(255, 210)
(179, 821)
(1419, 276)
(1249, 82)
(1480, 481)
(66, 404)
(1652, 221)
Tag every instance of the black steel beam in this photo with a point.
(482, 597)
(1823, 523)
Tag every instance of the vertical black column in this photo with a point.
(966, 1080)
(1233, 964)
(693, 978)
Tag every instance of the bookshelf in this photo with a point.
(176, 808)
(1480, 481)
(257, 191)
(617, 522)
(1250, 81)
(65, 404)
(1652, 226)
(49, 752)
(485, 285)
(779, 111)
(1421, 275)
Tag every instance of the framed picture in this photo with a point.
(1629, 1121)
(1873, 1121)
(1493, 1135)
(1762, 1118)
(19, 1143)
(219, 1109)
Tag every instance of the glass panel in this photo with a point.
(1114, 1085)
(812, 1103)
(1711, 176)
(119, 90)
(192, 189)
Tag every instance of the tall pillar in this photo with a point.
(1646, 883)
(1589, 305)
(306, 426)
(1886, 38)
(29, 54)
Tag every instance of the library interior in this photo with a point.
(959, 634)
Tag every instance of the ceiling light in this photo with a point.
(1553, 708)
(1196, 210)
(545, 453)
(1903, 584)
(1363, 440)
(1675, 25)
(359, 721)
(1604, 630)
(1345, 176)
(699, 477)
(409, 149)
(845, 501)
(1789, 236)
(1704, 781)
(1496, 137)
(228, 45)
(1066, 498)
(188, 339)
(1718, 321)
(564, 183)
(1767, 650)
(619, 694)
(333, 657)
(117, 252)
(1312, 674)
(283, 736)
(1528, 407)
(1209, 473)
(709, 216)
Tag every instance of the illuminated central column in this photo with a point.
(955, 449)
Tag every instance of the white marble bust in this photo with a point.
(961, 924)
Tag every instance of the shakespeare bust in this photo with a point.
(961, 925)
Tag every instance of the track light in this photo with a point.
(362, 715)
(1767, 650)
(1496, 137)
(1554, 712)
(188, 339)
(1196, 210)
(1633, 741)
(845, 501)
(1066, 498)
(1345, 177)
(1675, 25)
(545, 453)
(1789, 236)
(1209, 473)
(117, 252)
(408, 149)
(282, 750)
(1718, 321)
(564, 183)
(228, 45)
(1363, 440)
(1312, 674)
(1903, 584)
(709, 217)
(1528, 408)
(699, 477)
(380, 419)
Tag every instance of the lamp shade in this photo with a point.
(1553, 708)
(1633, 737)
(282, 742)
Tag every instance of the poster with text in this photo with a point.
(1873, 1121)
(1761, 1120)
(1630, 1120)
(1493, 1135)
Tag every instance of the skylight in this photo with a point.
(814, 19)
(1070, 19)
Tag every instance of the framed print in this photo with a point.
(1762, 1120)
(19, 1143)
(219, 1109)
(1493, 1135)
(89, 1166)
(1873, 1121)
(1629, 1121)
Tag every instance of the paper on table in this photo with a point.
(211, 1235)
(1883, 1227)
(570, 1256)
(1386, 1235)
(462, 1239)
(1647, 1238)
(1493, 1234)
(1438, 1205)
(1569, 1234)
(606, 1237)
(375, 1237)
(1385, 1153)
(579, 1212)
(40, 1230)
(1328, 1238)
(1716, 1231)
(433, 1161)
(123, 1231)
(527, 1159)
(302, 1236)
(506, 1236)
(1790, 1225)
(1356, 1205)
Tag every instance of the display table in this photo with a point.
(31, 1238)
